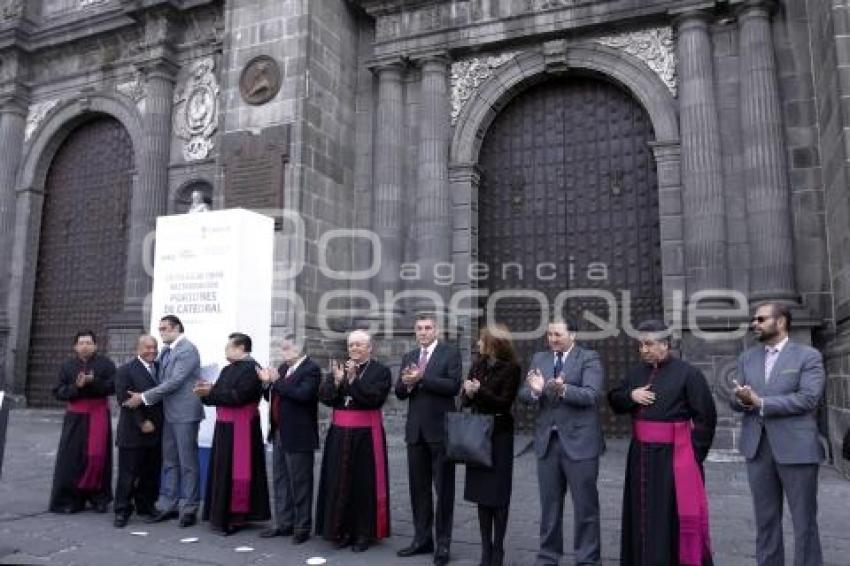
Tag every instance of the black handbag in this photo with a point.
(469, 438)
(845, 446)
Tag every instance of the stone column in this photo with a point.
(765, 161)
(150, 196)
(432, 221)
(389, 156)
(13, 116)
(702, 166)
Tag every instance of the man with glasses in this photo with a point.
(779, 386)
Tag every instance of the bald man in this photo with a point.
(139, 436)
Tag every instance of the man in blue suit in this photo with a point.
(564, 385)
(780, 386)
(180, 368)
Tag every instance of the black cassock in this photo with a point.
(235, 395)
(353, 498)
(75, 479)
(650, 522)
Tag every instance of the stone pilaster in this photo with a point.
(702, 167)
(432, 220)
(765, 162)
(150, 198)
(389, 159)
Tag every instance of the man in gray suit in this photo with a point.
(781, 383)
(564, 385)
(180, 368)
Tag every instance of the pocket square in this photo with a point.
(789, 371)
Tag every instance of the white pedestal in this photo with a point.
(213, 270)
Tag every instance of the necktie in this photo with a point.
(149, 367)
(423, 359)
(770, 356)
(166, 353)
(559, 363)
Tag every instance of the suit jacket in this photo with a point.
(576, 415)
(296, 399)
(433, 396)
(791, 396)
(177, 379)
(133, 376)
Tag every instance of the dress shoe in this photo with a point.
(300, 537)
(188, 520)
(414, 549)
(441, 557)
(360, 545)
(120, 521)
(161, 516)
(227, 530)
(342, 542)
(275, 532)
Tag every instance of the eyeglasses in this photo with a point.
(760, 319)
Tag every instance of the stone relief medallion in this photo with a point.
(196, 110)
(260, 80)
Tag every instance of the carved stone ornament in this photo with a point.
(467, 76)
(196, 110)
(654, 46)
(10, 9)
(260, 80)
(133, 88)
(36, 115)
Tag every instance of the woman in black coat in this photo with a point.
(490, 388)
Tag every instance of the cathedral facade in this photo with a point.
(633, 159)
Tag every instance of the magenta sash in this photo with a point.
(371, 419)
(240, 484)
(97, 411)
(691, 500)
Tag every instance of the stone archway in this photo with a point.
(657, 141)
(81, 261)
(41, 147)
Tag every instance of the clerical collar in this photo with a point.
(661, 363)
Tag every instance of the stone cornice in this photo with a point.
(36, 34)
(410, 28)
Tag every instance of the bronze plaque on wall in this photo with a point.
(255, 168)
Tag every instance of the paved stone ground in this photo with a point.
(30, 535)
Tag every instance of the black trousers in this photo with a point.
(427, 465)
(293, 488)
(138, 479)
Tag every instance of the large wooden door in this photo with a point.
(82, 250)
(569, 186)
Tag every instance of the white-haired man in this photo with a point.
(353, 500)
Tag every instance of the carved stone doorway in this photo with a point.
(569, 200)
(82, 249)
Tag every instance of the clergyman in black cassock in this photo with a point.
(237, 490)
(138, 436)
(84, 458)
(665, 509)
(353, 500)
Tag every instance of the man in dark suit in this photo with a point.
(781, 383)
(564, 386)
(430, 379)
(293, 392)
(180, 368)
(139, 436)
